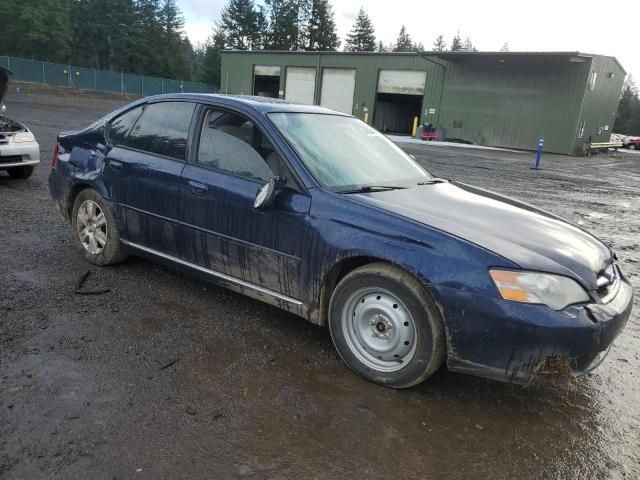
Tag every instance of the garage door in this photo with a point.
(338, 86)
(301, 85)
(404, 82)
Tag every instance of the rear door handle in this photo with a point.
(197, 188)
(115, 166)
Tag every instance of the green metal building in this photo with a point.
(502, 99)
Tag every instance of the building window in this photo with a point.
(593, 77)
(581, 129)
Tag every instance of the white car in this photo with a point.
(19, 151)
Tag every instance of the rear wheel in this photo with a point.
(632, 146)
(386, 327)
(95, 229)
(21, 172)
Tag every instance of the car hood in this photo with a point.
(4, 82)
(532, 238)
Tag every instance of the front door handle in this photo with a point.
(197, 188)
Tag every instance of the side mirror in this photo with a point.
(3, 109)
(267, 194)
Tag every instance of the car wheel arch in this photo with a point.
(79, 187)
(73, 194)
(342, 268)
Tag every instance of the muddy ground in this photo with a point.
(168, 377)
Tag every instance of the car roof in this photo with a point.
(258, 104)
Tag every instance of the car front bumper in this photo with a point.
(19, 155)
(517, 342)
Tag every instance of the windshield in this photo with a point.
(344, 153)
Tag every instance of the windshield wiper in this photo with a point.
(433, 181)
(372, 188)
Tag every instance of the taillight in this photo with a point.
(54, 159)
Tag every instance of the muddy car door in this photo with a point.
(222, 230)
(142, 171)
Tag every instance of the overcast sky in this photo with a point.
(607, 28)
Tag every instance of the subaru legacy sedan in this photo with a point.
(315, 212)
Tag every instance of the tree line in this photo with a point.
(147, 36)
(136, 36)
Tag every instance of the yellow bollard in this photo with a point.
(366, 117)
(415, 126)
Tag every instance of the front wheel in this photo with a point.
(95, 229)
(386, 327)
(632, 146)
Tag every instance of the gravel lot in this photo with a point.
(168, 377)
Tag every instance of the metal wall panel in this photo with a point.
(512, 104)
(600, 105)
(300, 86)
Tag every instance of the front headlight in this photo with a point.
(543, 288)
(24, 137)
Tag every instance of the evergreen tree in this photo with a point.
(146, 34)
(321, 30)
(439, 45)
(628, 118)
(404, 42)
(456, 43)
(262, 29)
(362, 36)
(102, 33)
(286, 30)
(240, 24)
(381, 47)
(42, 30)
(467, 46)
(505, 47)
(174, 47)
(210, 68)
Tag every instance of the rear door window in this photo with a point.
(163, 129)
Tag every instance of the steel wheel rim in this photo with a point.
(92, 227)
(379, 329)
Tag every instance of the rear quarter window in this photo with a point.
(120, 127)
(163, 129)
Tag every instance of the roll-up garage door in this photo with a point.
(338, 86)
(301, 85)
(404, 82)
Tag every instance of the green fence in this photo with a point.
(99, 80)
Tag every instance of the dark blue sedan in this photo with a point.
(315, 212)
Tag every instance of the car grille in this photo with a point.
(608, 282)
(4, 139)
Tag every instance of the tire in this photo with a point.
(97, 235)
(632, 146)
(386, 327)
(21, 172)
